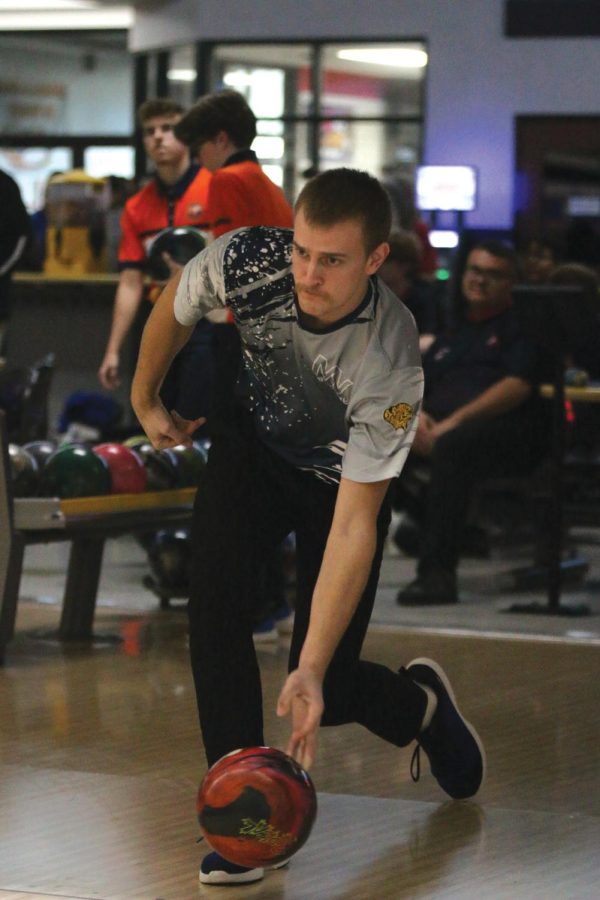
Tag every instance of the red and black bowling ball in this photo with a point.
(181, 243)
(127, 471)
(256, 806)
(74, 470)
(24, 471)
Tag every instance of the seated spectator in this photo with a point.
(400, 272)
(538, 261)
(481, 415)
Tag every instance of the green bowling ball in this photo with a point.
(75, 470)
(189, 464)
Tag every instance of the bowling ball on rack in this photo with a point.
(181, 243)
(170, 557)
(160, 471)
(256, 806)
(74, 470)
(127, 471)
(24, 471)
(41, 450)
(189, 464)
(135, 441)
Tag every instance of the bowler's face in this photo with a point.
(331, 269)
(160, 142)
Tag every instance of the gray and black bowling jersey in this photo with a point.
(342, 401)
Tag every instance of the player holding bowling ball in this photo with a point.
(327, 407)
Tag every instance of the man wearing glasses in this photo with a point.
(482, 416)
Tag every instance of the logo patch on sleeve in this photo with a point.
(399, 416)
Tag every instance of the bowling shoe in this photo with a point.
(216, 870)
(435, 588)
(453, 747)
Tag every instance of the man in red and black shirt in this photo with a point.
(175, 196)
(219, 129)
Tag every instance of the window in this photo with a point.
(325, 105)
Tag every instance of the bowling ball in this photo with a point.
(182, 244)
(24, 471)
(160, 472)
(189, 464)
(40, 450)
(127, 471)
(135, 441)
(74, 470)
(256, 806)
(170, 557)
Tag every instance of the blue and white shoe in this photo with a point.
(280, 622)
(216, 870)
(266, 632)
(453, 747)
(284, 619)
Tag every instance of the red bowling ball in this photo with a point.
(256, 806)
(127, 471)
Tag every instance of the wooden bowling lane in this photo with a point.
(100, 759)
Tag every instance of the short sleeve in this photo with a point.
(202, 285)
(383, 419)
(131, 249)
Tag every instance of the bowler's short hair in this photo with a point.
(224, 111)
(338, 195)
(157, 108)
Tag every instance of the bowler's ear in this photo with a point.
(377, 257)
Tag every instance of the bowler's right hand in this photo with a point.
(167, 430)
(108, 373)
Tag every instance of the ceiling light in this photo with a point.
(397, 57)
(51, 5)
(74, 17)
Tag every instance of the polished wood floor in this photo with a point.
(100, 758)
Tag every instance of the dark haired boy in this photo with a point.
(220, 128)
(177, 194)
(328, 399)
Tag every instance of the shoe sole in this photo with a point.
(285, 626)
(218, 876)
(267, 637)
(431, 664)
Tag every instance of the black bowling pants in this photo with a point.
(248, 501)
